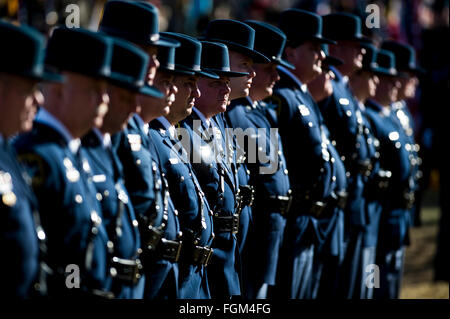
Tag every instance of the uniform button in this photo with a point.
(248, 172)
(347, 174)
(348, 113)
(322, 170)
(342, 158)
(358, 145)
(333, 142)
(279, 152)
(78, 198)
(175, 212)
(138, 162)
(106, 193)
(181, 178)
(333, 178)
(332, 160)
(211, 165)
(135, 223)
(398, 145)
(286, 171)
(99, 196)
(310, 124)
(190, 175)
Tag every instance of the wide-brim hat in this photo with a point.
(215, 59)
(329, 59)
(343, 27)
(301, 26)
(236, 35)
(24, 55)
(135, 21)
(385, 64)
(405, 58)
(270, 41)
(188, 55)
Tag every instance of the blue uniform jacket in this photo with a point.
(146, 187)
(220, 187)
(18, 237)
(70, 212)
(395, 217)
(118, 213)
(194, 213)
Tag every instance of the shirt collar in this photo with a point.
(142, 124)
(105, 138)
(205, 121)
(168, 127)
(291, 76)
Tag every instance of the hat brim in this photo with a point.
(206, 74)
(150, 91)
(131, 37)
(322, 40)
(174, 71)
(284, 63)
(331, 60)
(255, 55)
(229, 74)
(383, 71)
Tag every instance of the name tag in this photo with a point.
(173, 160)
(135, 142)
(344, 101)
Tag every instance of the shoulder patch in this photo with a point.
(35, 167)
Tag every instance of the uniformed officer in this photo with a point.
(394, 156)
(127, 79)
(239, 38)
(315, 171)
(354, 140)
(138, 22)
(61, 175)
(268, 173)
(188, 197)
(408, 76)
(22, 238)
(364, 83)
(213, 170)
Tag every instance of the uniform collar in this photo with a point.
(206, 122)
(142, 124)
(105, 138)
(167, 126)
(291, 76)
(45, 117)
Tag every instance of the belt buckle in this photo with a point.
(205, 255)
(126, 269)
(173, 248)
(317, 208)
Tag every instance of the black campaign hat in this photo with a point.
(166, 58)
(300, 25)
(215, 59)
(129, 69)
(23, 53)
(405, 57)
(188, 55)
(343, 26)
(236, 35)
(369, 62)
(385, 61)
(80, 51)
(135, 21)
(270, 41)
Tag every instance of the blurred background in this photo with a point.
(421, 23)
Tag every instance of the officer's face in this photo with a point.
(185, 98)
(387, 90)
(19, 98)
(215, 95)
(364, 85)
(240, 86)
(307, 59)
(321, 87)
(85, 102)
(150, 107)
(264, 81)
(408, 86)
(153, 62)
(122, 104)
(350, 53)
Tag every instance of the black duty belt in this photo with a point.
(151, 237)
(169, 250)
(275, 203)
(322, 209)
(201, 255)
(126, 270)
(225, 224)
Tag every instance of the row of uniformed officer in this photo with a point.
(121, 195)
